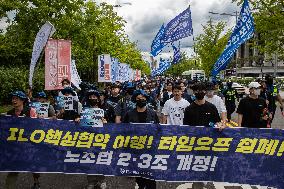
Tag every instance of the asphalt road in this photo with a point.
(64, 181)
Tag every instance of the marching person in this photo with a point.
(201, 112)
(217, 101)
(142, 114)
(252, 110)
(173, 111)
(230, 95)
(168, 94)
(109, 110)
(273, 96)
(114, 95)
(66, 83)
(20, 108)
(124, 104)
(77, 106)
(42, 98)
(93, 101)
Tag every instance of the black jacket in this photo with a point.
(132, 116)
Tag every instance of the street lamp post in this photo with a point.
(226, 14)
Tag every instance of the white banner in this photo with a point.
(75, 78)
(42, 36)
(132, 74)
(101, 68)
(114, 69)
(137, 75)
(104, 68)
(122, 72)
(108, 68)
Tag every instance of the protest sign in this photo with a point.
(57, 63)
(92, 117)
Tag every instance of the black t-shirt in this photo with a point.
(253, 111)
(142, 117)
(148, 116)
(201, 115)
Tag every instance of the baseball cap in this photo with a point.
(254, 85)
(19, 94)
(41, 95)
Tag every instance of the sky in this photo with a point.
(145, 17)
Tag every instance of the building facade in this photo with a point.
(250, 63)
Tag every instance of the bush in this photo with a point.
(16, 78)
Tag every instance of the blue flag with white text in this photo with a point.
(243, 31)
(163, 66)
(177, 54)
(179, 27)
(157, 44)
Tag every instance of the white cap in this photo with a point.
(254, 85)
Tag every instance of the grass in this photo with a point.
(5, 108)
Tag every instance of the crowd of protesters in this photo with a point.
(157, 100)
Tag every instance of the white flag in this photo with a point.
(75, 78)
(42, 36)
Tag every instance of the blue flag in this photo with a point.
(163, 66)
(179, 27)
(243, 31)
(157, 44)
(177, 54)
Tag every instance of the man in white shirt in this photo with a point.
(173, 111)
(217, 101)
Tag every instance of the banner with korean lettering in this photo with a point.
(179, 27)
(243, 31)
(123, 72)
(57, 63)
(104, 68)
(114, 69)
(160, 152)
(107, 64)
(137, 75)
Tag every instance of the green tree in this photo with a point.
(210, 44)
(93, 29)
(269, 24)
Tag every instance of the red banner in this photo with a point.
(57, 63)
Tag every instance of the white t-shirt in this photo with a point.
(218, 102)
(174, 110)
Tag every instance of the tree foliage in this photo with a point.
(210, 44)
(269, 23)
(93, 29)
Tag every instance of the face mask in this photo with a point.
(200, 95)
(257, 92)
(141, 103)
(93, 102)
(65, 86)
